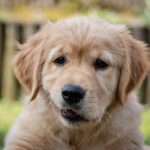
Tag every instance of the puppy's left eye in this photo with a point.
(60, 60)
(100, 64)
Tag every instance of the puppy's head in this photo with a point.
(84, 65)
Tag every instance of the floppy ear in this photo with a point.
(27, 63)
(135, 66)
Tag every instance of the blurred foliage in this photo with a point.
(10, 110)
(146, 13)
(67, 8)
(27, 14)
(145, 127)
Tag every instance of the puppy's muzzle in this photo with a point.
(72, 94)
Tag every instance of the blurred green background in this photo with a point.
(21, 18)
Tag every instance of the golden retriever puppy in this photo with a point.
(81, 74)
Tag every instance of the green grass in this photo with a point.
(8, 113)
(10, 110)
(145, 127)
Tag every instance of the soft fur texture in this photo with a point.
(110, 104)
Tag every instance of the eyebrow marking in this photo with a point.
(53, 52)
(107, 56)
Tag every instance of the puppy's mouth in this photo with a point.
(72, 116)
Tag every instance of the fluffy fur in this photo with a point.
(110, 105)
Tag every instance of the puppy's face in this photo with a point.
(82, 78)
(83, 65)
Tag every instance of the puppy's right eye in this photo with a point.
(100, 64)
(60, 60)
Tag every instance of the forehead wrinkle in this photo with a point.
(76, 35)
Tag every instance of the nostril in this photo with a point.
(66, 94)
(73, 94)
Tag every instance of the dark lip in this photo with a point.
(72, 115)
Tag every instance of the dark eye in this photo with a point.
(100, 64)
(60, 60)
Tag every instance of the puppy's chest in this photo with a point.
(94, 146)
(80, 141)
(80, 146)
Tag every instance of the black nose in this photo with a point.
(73, 94)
